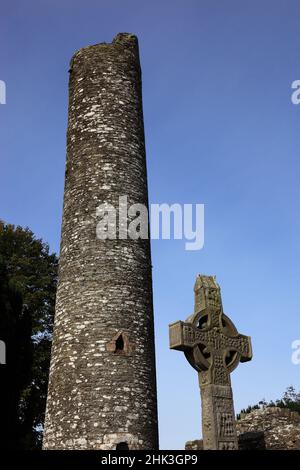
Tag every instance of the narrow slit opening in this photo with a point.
(120, 344)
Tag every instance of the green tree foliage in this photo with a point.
(28, 279)
(15, 328)
(289, 400)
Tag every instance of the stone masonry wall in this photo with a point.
(281, 427)
(102, 388)
(268, 428)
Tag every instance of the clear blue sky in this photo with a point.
(220, 130)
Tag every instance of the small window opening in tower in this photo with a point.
(120, 344)
(122, 446)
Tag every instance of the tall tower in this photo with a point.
(102, 386)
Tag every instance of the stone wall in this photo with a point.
(268, 428)
(194, 445)
(102, 389)
(281, 427)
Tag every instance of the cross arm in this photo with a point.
(176, 340)
(244, 347)
(184, 336)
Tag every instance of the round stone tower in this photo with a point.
(102, 386)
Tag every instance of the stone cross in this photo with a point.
(214, 348)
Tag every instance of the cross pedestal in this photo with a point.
(214, 348)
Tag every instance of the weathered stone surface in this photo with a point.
(100, 393)
(214, 348)
(280, 428)
(269, 428)
(194, 445)
(254, 440)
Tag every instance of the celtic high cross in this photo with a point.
(214, 348)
